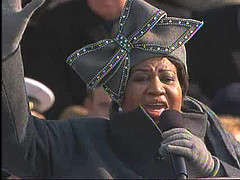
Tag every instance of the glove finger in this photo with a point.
(180, 136)
(180, 143)
(164, 148)
(171, 132)
(29, 9)
(182, 151)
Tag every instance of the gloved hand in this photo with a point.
(14, 22)
(182, 142)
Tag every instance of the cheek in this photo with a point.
(175, 98)
(132, 98)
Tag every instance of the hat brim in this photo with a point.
(41, 93)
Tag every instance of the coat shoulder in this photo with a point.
(90, 125)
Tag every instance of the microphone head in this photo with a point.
(195, 123)
(170, 119)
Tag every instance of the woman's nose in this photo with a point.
(156, 87)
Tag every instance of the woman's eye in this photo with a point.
(140, 78)
(167, 79)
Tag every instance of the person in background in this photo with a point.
(40, 97)
(143, 69)
(96, 104)
(226, 104)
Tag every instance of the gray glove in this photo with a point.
(182, 142)
(14, 22)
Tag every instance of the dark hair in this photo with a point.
(182, 74)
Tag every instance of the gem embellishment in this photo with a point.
(123, 42)
(124, 78)
(124, 15)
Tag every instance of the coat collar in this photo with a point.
(136, 135)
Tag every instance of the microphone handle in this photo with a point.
(179, 166)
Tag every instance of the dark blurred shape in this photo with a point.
(213, 55)
(4, 174)
(172, 8)
(196, 92)
(203, 5)
(227, 100)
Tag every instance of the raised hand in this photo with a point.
(182, 142)
(14, 22)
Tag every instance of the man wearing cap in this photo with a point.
(40, 97)
(143, 69)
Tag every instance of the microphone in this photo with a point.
(170, 119)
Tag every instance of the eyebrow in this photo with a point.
(148, 69)
(143, 70)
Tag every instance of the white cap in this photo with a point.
(41, 93)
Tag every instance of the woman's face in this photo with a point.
(154, 84)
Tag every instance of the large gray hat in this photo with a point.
(143, 32)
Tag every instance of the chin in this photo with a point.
(155, 114)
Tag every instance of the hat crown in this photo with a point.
(144, 32)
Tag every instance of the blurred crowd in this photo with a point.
(60, 27)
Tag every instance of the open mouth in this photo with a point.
(155, 109)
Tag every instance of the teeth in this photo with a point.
(158, 104)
